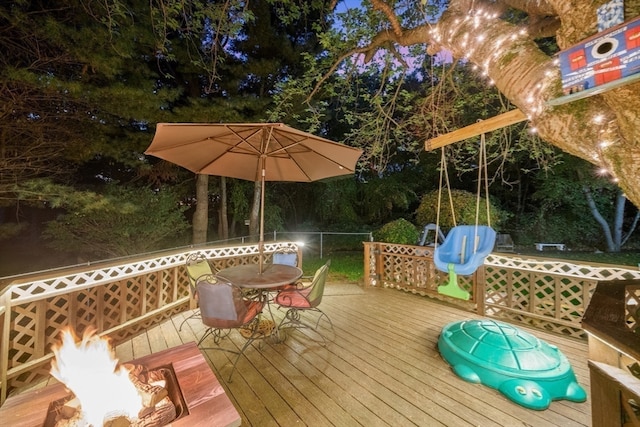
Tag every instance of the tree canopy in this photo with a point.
(83, 84)
(512, 43)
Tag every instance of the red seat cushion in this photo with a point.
(294, 298)
(253, 309)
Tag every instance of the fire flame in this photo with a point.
(89, 369)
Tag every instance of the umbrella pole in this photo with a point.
(261, 242)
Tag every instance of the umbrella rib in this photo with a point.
(233, 147)
(294, 147)
(242, 139)
(301, 143)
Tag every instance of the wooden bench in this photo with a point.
(559, 246)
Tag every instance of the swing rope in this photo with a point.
(482, 168)
(445, 173)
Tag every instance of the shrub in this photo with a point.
(399, 231)
(464, 206)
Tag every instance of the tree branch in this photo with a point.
(388, 11)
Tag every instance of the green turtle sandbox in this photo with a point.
(528, 371)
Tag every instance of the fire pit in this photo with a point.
(163, 399)
(192, 388)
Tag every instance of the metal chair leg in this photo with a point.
(195, 315)
(293, 319)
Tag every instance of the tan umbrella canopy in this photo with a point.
(252, 151)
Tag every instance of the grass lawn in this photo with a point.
(346, 267)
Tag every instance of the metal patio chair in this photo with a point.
(298, 299)
(223, 308)
(287, 255)
(197, 265)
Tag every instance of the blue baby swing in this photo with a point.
(465, 246)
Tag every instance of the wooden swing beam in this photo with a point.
(484, 126)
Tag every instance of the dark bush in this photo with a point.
(399, 231)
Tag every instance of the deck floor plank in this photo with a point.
(382, 367)
(422, 370)
(356, 412)
(403, 373)
(566, 410)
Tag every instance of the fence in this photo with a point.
(119, 299)
(545, 293)
(122, 298)
(317, 240)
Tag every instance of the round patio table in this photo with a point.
(272, 276)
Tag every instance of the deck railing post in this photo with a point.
(480, 288)
(379, 257)
(366, 260)
(5, 317)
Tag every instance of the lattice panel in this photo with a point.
(112, 308)
(182, 284)
(131, 301)
(370, 264)
(632, 307)
(543, 296)
(544, 293)
(30, 377)
(150, 296)
(562, 268)
(520, 290)
(22, 336)
(86, 310)
(57, 318)
(497, 287)
(411, 268)
(101, 298)
(165, 289)
(572, 297)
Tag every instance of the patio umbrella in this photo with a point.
(252, 151)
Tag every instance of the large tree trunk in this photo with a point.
(201, 214)
(604, 225)
(603, 129)
(223, 228)
(254, 220)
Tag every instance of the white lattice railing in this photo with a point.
(124, 298)
(119, 299)
(545, 293)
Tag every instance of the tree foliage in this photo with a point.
(83, 83)
(399, 231)
(117, 222)
(457, 207)
(512, 43)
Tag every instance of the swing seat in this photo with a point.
(459, 239)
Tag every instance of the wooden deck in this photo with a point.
(382, 368)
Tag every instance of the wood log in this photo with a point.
(70, 408)
(164, 413)
(120, 421)
(158, 408)
(151, 394)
